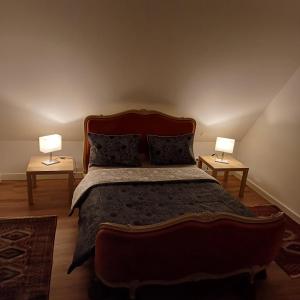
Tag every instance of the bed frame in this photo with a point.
(187, 248)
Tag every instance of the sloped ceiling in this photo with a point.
(220, 62)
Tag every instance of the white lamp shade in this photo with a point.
(50, 143)
(224, 145)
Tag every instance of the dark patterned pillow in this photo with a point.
(114, 150)
(171, 150)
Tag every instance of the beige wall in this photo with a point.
(220, 62)
(272, 147)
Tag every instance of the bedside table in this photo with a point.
(36, 167)
(233, 165)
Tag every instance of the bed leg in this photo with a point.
(132, 291)
(97, 289)
(248, 288)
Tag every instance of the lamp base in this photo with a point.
(222, 161)
(49, 162)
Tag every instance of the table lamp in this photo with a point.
(224, 145)
(49, 144)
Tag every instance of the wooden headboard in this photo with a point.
(142, 122)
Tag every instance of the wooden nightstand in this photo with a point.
(36, 167)
(233, 165)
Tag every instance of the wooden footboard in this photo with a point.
(190, 247)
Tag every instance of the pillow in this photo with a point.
(114, 150)
(171, 150)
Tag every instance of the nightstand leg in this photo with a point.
(71, 186)
(226, 176)
(214, 173)
(243, 183)
(199, 163)
(33, 176)
(29, 188)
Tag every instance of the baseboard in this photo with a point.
(254, 186)
(22, 176)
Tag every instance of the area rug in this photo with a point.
(26, 254)
(289, 256)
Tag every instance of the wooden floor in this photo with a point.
(51, 198)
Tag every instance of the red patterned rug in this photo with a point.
(289, 256)
(26, 254)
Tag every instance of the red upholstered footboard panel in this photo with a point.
(178, 249)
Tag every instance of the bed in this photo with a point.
(163, 224)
